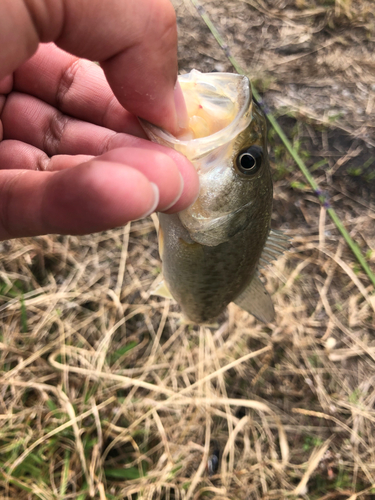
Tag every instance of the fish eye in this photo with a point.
(249, 160)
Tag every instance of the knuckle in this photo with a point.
(111, 140)
(54, 133)
(66, 82)
(42, 162)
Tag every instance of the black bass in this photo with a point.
(212, 250)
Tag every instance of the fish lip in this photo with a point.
(196, 148)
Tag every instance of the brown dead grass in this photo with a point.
(104, 393)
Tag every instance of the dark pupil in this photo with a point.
(247, 161)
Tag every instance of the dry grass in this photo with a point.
(105, 393)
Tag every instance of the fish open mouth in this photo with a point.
(219, 106)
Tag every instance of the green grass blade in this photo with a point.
(122, 474)
(65, 474)
(323, 200)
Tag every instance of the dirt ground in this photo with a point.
(105, 394)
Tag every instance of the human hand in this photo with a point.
(67, 163)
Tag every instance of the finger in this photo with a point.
(136, 43)
(76, 87)
(18, 34)
(5, 87)
(34, 122)
(6, 84)
(144, 76)
(15, 155)
(156, 166)
(91, 197)
(138, 54)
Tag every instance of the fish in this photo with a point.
(211, 252)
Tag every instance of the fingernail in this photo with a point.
(155, 201)
(181, 111)
(177, 197)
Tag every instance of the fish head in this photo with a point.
(226, 142)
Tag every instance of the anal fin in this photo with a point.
(256, 301)
(162, 290)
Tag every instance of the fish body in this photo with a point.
(211, 251)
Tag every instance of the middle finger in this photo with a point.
(74, 86)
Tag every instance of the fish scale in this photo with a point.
(204, 279)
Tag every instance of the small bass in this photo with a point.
(212, 250)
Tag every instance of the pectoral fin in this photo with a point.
(277, 244)
(256, 301)
(162, 291)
